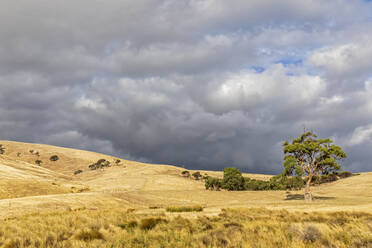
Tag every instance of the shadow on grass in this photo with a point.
(291, 197)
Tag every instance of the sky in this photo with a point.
(203, 84)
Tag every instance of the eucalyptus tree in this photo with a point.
(310, 156)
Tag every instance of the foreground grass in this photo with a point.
(232, 228)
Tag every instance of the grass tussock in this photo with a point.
(194, 208)
(231, 228)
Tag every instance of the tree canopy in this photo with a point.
(308, 155)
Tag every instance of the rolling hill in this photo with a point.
(27, 187)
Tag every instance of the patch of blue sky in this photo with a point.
(290, 61)
(258, 69)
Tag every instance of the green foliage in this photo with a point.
(196, 175)
(185, 173)
(213, 183)
(38, 162)
(100, 164)
(345, 174)
(54, 158)
(233, 179)
(195, 208)
(311, 156)
(2, 149)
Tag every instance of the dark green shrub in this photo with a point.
(2, 149)
(253, 184)
(345, 174)
(196, 175)
(213, 183)
(233, 179)
(38, 162)
(99, 164)
(185, 173)
(54, 158)
(150, 223)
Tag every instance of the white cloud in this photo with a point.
(361, 135)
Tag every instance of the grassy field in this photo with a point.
(257, 227)
(49, 206)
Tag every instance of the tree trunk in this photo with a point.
(308, 197)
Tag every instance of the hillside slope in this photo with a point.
(27, 187)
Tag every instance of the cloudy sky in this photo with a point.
(197, 83)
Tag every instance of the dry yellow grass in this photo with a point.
(48, 192)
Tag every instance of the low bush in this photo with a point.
(345, 174)
(38, 162)
(185, 173)
(78, 172)
(195, 208)
(150, 223)
(130, 225)
(196, 175)
(100, 164)
(88, 235)
(311, 234)
(54, 158)
(2, 149)
(213, 183)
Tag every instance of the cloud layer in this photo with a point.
(197, 83)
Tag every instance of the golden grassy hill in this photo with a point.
(25, 186)
(124, 206)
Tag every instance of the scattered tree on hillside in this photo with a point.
(196, 175)
(54, 158)
(2, 149)
(233, 179)
(311, 156)
(185, 173)
(213, 183)
(100, 164)
(38, 162)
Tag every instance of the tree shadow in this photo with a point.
(291, 197)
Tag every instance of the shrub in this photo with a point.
(78, 172)
(99, 164)
(38, 162)
(185, 173)
(311, 234)
(54, 158)
(253, 184)
(196, 175)
(328, 178)
(195, 208)
(233, 179)
(150, 223)
(130, 225)
(88, 235)
(213, 183)
(345, 174)
(117, 161)
(2, 149)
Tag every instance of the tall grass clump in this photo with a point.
(194, 208)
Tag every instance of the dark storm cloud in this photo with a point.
(177, 81)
